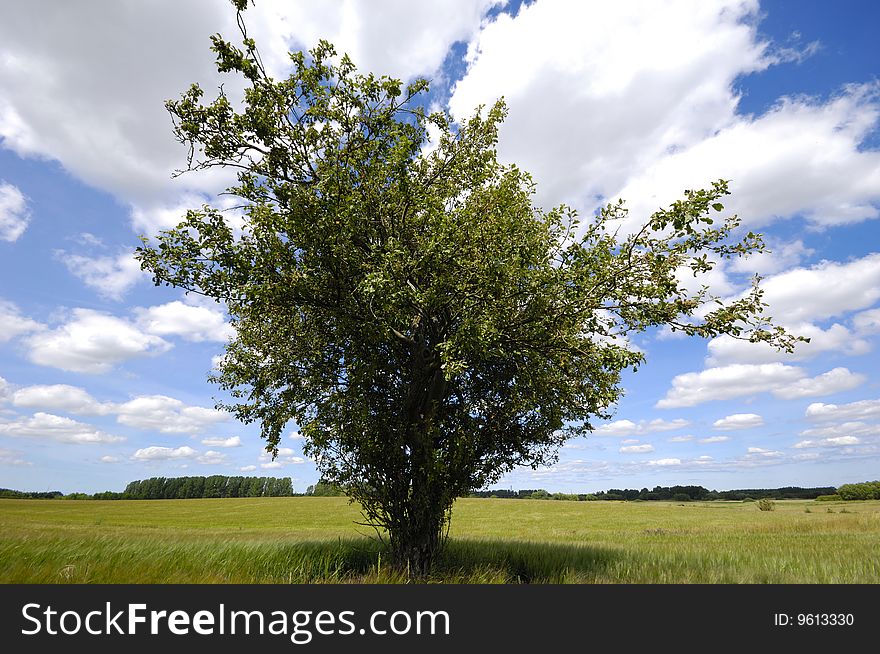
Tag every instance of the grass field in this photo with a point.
(315, 540)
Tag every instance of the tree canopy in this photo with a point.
(396, 293)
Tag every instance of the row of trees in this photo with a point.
(677, 493)
(179, 488)
(8, 493)
(869, 490)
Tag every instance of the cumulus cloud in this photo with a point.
(47, 426)
(636, 449)
(570, 75)
(833, 381)
(738, 380)
(167, 415)
(92, 342)
(665, 462)
(192, 323)
(111, 276)
(843, 429)
(232, 441)
(117, 136)
(738, 421)
(14, 213)
(714, 439)
(800, 298)
(630, 428)
(157, 453)
(861, 410)
(109, 459)
(60, 397)
(836, 338)
(760, 452)
(212, 457)
(824, 290)
(812, 163)
(248, 468)
(834, 441)
(13, 324)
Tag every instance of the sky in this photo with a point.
(103, 376)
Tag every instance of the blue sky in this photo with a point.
(103, 376)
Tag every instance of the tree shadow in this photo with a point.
(461, 561)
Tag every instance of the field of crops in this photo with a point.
(316, 540)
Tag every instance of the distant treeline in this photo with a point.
(177, 488)
(7, 493)
(674, 493)
(182, 488)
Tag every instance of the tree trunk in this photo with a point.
(419, 539)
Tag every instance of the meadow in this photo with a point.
(317, 540)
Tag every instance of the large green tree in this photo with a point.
(404, 302)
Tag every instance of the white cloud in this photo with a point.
(13, 324)
(109, 459)
(867, 322)
(232, 441)
(762, 453)
(156, 453)
(193, 323)
(833, 381)
(286, 456)
(681, 439)
(248, 468)
(835, 441)
(570, 74)
(167, 415)
(92, 342)
(845, 429)
(46, 426)
(778, 257)
(637, 449)
(812, 163)
(836, 338)
(630, 428)
(714, 439)
(738, 421)
(117, 136)
(60, 397)
(853, 411)
(111, 276)
(737, 380)
(665, 462)
(392, 37)
(14, 213)
(12, 458)
(824, 290)
(212, 457)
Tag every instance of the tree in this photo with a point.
(404, 302)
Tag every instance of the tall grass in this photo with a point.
(315, 540)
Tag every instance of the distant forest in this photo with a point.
(177, 488)
(168, 488)
(667, 493)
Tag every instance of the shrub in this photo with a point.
(828, 498)
(766, 504)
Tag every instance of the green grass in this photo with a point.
(316, 540)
